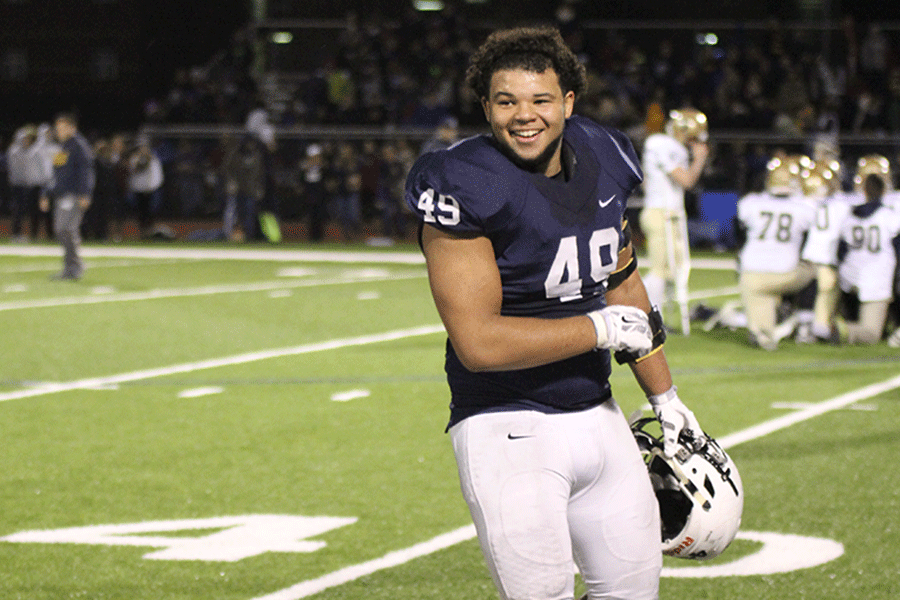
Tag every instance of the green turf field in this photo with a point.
(208, 423)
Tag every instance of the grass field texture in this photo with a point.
(191, 423)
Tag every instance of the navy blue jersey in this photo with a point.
(556, 240)
(73, 168)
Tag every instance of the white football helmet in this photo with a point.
(699, 490)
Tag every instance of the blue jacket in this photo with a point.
(73, 168)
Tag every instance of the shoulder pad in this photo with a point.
(613, 149)
(469, 187)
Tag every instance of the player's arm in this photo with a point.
(465, 283)
(652, 370)
(468, 293)
(688, 178)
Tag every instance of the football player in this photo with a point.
(533, 273)
(821, 184)
(672, 162)
(867, 262)
(772, 226)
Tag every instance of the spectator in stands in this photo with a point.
(343, 184)
(244, 170)
(145, 179)
(188, 177)
(96, 219)
(16, 157)
(874, 57)
(390, 192)
(312, 191)
(446, 133)
(118, 208)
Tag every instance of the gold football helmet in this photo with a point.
(687, 124)
(820, 180)
(783, 177)
(873, 164)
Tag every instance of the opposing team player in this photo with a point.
(533, 273)
(772, 226)
(868, 260)
(821, 184)
(672, 162)
(875, 164)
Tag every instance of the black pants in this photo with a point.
(35, 216)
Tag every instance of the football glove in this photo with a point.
(621, 327)
(674, 418)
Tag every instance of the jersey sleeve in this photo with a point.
(459, 195)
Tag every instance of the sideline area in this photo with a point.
(281, 254)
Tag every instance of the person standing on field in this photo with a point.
(70, 193)
(673, 163)
(533, 273)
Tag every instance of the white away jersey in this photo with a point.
(892, 199)
(663, 154)
(868, 267)
(822, 241)
(776, 228)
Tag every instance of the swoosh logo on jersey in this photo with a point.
(517, 437)
(605, 204)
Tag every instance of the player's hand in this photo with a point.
(700, 151)
(621, 327)
(84, 202)
(674, 417)
(44, 204)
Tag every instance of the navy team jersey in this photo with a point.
(556, 240)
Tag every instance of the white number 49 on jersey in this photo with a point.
(444, 211)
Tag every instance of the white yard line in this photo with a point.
(54, 266)
(810, 412)
(399, 557)
(391, 559)
(714, 293)
(280, 255)
(94, 382)
(198, 291)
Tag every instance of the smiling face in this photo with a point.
(527, 112)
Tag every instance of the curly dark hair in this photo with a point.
(531, 48)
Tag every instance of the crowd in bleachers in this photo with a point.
(777, 78)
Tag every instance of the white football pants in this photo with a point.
(549, 491)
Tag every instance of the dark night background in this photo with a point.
(151, 39)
